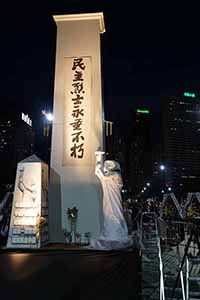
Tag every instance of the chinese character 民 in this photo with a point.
(78, 62)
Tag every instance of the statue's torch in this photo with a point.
(99, 157)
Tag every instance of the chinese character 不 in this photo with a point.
(78, 62)
(77, 112)
(77, 148)
(77, 136)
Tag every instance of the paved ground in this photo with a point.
(61, 274)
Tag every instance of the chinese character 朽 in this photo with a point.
(75, 149)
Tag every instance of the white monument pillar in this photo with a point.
(78, 124)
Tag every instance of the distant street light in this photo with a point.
(148, 184)
(49, 116)
(162, 191)
(169, 188)
(144, 188)
(162, 167)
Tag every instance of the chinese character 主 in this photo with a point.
(78, 76)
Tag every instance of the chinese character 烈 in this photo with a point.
(78, 87)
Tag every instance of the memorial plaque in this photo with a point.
(30, 195)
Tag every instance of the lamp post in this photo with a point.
(47, 126)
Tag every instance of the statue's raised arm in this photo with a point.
(99, 163)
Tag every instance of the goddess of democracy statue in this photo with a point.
(114, 232)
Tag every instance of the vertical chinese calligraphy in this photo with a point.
(77, 111)
(77, 92)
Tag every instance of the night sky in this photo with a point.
(147, 51)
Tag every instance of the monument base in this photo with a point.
(57, 272)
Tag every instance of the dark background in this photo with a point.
(148, 51)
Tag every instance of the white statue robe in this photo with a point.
(114, 232)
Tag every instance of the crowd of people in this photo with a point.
(133, 208)
(172, 227)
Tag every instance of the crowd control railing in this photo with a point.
(153, 218)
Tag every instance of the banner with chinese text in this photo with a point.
(77, 111)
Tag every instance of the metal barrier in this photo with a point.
(148, 223)
(174, 233)
(171, 236)
(177, 233)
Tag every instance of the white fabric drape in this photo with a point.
(114, 232)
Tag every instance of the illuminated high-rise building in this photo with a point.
(43, 137)
(181, 141)
(140, 151)
(16, 141)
